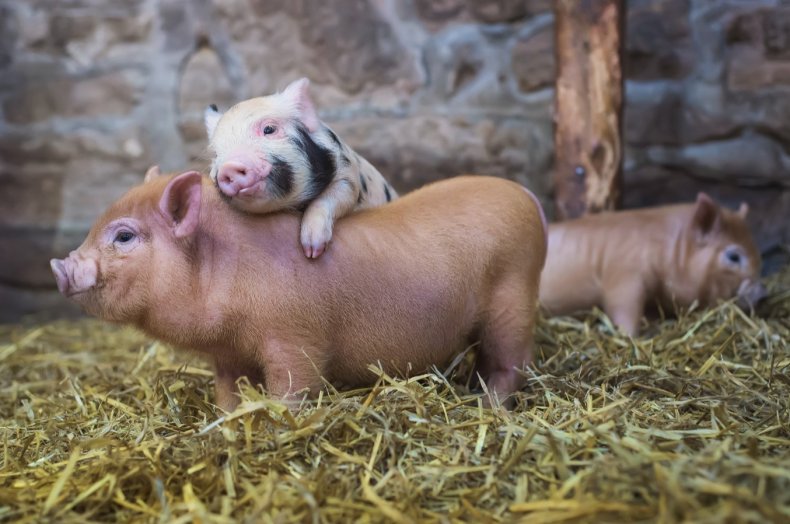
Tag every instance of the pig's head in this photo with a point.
(140, 240)
(723, 261)
(266, 157)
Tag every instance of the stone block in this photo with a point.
(414, 151)
(30, 199)
(204, 81)
(658, 42)
(21, 304)
(533, 61)
(115, 93)
(24, 259)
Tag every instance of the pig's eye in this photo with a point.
(733, 256)
(124, 237)
(269, 130)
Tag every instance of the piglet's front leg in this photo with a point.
(624, 302)
(337, 200)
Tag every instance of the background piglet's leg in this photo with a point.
(624, 303)
(337, 200)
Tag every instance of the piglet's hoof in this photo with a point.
(311, 251)
(316, 234)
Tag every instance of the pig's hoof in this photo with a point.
(311, 251)
(315, 238)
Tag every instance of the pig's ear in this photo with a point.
(211, 116)
(298, 94)
(706, 214)
(743, 210)
(180, 203)
(152, 173)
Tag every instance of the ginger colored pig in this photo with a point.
(405, 285)
(668, 256)
(273, 153)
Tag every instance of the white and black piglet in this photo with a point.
(272, 153)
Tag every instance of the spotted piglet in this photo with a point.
(273, 153)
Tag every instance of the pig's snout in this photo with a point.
(750, 294)
(241, 178)
(61, 276)
(74, 275)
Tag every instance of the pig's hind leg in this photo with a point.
(337, 200)
(507, 337)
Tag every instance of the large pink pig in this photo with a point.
(406, 285)
(669, 256)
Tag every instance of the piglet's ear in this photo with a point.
(180, 203)
(298, 94)
(152, 173)
(211, 116)
(743, 210)
(706, 214)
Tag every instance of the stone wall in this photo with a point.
(92, 92)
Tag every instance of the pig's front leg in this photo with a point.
(227, 374)
(337, 200)
(291, 368)
(624, 303)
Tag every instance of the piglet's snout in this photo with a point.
(74, 274)
(750, 294)
(235, 177)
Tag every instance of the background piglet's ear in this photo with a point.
(211, 116)
(706, 214)
(152, 173)
(743, 210)
(180, 203)
(298, 94)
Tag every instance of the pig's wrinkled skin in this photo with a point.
(667, 256)
(406, 285)
(273, 153)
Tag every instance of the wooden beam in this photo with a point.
(588, 106)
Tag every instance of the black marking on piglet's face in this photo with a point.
(387, 193)
(281, 178)
(321, 160)
(363, 184)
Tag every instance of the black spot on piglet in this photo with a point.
(322, 163)
(281, 178)
(214, 108)
(387, 193)
(363, 184)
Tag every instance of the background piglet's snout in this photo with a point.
(751, 293)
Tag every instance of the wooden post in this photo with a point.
(588, 112)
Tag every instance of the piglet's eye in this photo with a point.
(734, 256)
(269, 130)
(124, 237)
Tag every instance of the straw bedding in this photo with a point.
(689, 422)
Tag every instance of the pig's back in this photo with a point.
(414, 276)
(587, 254)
